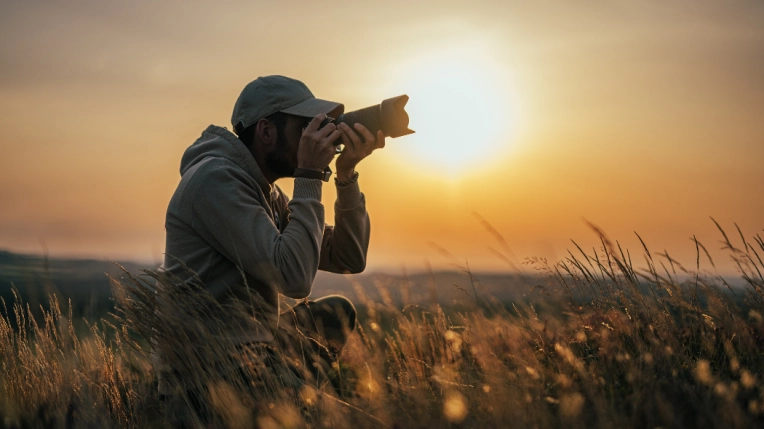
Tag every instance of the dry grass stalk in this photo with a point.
(603, 344)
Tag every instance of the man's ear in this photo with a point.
(266, 132)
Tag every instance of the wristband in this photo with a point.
(313, 174)
(347, 182)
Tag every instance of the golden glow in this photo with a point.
(459, 106)
(637, 116)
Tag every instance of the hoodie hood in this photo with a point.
(218, 142)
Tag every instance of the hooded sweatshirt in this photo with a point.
(243, 237)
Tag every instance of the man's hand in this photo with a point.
(356, 149)
(316, 149)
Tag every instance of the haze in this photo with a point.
(634, 115)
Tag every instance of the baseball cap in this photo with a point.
(267, 95)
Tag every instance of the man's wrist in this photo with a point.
(346, 183)
(348, 193)
(345, 175)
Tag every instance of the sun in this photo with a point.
(459, 107)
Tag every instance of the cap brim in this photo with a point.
(314, 106)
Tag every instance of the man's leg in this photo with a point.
(321, 326)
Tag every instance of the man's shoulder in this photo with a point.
(217, 177)
(214, 169)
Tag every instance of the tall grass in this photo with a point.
(598, 343)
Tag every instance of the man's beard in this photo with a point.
(278, 160)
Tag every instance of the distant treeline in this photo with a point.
(83, 281)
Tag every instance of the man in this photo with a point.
(232, 230)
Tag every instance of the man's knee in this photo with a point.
(336, 307)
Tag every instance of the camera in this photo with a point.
(389, 116)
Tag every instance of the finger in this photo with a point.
(346, 140)
(329, 140)
(325, 131)
(367, 135)
(352, 134)
(380, 139)
(315, 122)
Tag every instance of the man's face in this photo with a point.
(283, 159)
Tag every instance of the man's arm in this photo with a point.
(229, 215)
(344, 247)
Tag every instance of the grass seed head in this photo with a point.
(455, 407)
(571, 405)
(703, 372)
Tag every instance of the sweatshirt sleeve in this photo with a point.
(344, 246)
(230, 216)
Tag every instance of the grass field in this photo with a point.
(592, 341)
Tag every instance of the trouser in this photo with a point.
(308, 340)
(320, 327)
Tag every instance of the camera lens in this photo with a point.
(389, 116)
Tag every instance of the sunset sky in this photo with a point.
(639, 116)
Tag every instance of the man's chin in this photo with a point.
(283, 170)
(289, 172)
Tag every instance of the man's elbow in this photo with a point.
(297, 294)
(298, 289)
(356, 267)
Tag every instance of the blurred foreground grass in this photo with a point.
(598, 344)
